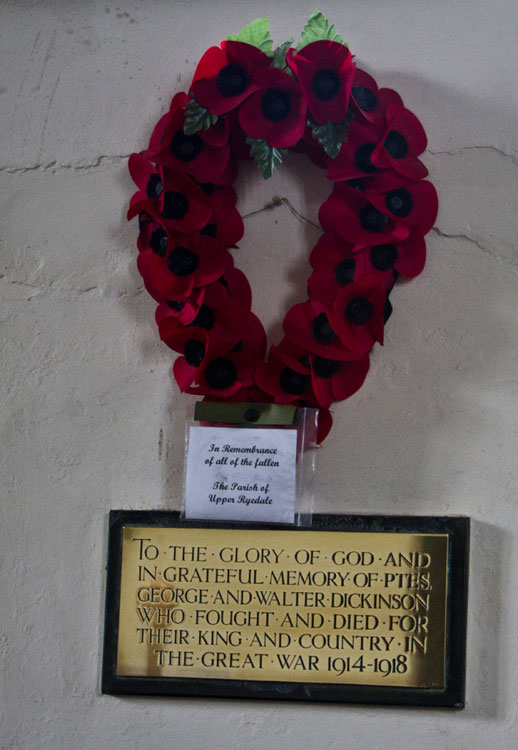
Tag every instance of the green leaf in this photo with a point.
(331, 136)
(266, 157)
(318, 28)
(257, 33)
(197, 117)
(279, 56)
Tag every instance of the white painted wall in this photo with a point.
(85, 388)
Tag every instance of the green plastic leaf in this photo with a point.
(331, 136)
(197, 117)
(279, 56)
(318, 28)
(266, 157)
(257, 33)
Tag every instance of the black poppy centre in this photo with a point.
(322, 331)
(365, 98)
(372, 220)
(220, 373)
(194, 351)
(154, 187)
(176, 205)
(359, 311)
(383, 257)
(356, 183)
(325, 85)
(362, 158)
(182, 261)
(396, 144)
(275, 105)
(325, 368)
(205, 318)
(209, 230)
(176, 304)
(186, 147)
(293, 382)
(231, 81)
(344, 271)
(399, 202)
(158, 242)
(207, 188)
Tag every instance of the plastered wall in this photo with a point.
(91, 421)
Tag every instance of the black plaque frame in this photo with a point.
(452, 695)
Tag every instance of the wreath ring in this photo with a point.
(246, 101)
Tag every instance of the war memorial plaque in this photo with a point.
(363, 609)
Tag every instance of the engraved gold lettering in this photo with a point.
(283, 606)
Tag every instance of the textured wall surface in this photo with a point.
(92, 422)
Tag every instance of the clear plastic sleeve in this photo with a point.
(204, 498)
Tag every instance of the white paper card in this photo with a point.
(241, 474)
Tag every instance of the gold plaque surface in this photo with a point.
(331, 607)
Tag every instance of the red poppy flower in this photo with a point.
(335, 381)
(286, 376)
(146, 176)
(277, 112)
(370, 101)
(355, 157)
(402, 141)
(199, 346)
(415, 203)
(233, 283)
(161, 241)
(191, 261)
(338, 263)
(152, 235)
(225, 223)
(357, 315)
(183, 310)
(325, 71)
(351, 214)
(407, 257)
(180, 206)
(226, 319)
(157, 136)
(193, 344)
(224, 77)
(150, 181)
(203, 155)
(224, 373)
(196, 344)
(237, 285)
(142, 266)
(308, 325)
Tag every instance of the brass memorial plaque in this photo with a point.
(205, 605)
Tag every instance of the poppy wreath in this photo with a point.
(249, 101)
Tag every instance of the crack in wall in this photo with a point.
(467, 238)
(512, 156)
(52, 287)
(54, 166)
